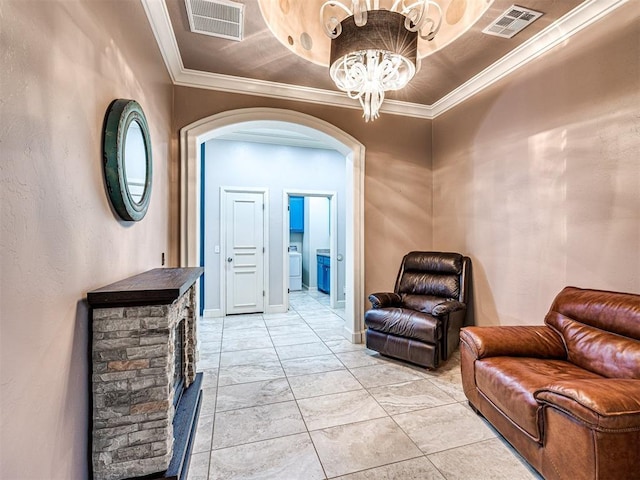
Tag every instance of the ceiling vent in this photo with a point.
(218, 18)
(512, 21)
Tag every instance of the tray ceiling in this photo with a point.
(260, 64)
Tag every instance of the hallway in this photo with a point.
(286, 397)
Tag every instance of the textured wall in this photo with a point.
(62, 64)
(538, 178)
(397, 189)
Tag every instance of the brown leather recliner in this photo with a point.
(421, 320)
(565, 394)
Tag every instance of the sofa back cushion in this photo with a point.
(601, 330)
(430, 273)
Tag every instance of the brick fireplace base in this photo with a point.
(133, 381)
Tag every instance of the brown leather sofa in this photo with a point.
(565, 394)
(420, 321)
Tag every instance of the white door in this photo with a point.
(244, 255)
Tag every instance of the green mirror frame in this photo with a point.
(128, 204)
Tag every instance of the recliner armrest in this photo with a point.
(447, 307)
(385, 299)
(515, 341)
(607, 403)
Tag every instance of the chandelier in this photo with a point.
(375, 50)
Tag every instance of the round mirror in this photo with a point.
(127, 159)
(135, 164)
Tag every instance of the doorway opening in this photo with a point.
(316, 246)
(193, 135)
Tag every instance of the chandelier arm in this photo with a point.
(394, 7)
(417, 14)
(360, 8)
(333, 27)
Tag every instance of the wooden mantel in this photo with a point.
(160, 286)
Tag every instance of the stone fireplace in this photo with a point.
(146, 394)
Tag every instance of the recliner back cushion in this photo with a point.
(601, 330)
(440, 262)
(423, 283)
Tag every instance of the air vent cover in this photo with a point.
(218, 18)
(512, 21)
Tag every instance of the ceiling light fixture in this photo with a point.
(375, 50)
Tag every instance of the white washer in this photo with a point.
(295, 271)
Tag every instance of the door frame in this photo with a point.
(333, 236)
(223, 242)
(194, 134)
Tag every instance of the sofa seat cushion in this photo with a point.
(404, 322)
(510, 383)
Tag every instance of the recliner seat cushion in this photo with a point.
(404, 323)
(510, 383)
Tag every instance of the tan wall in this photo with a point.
(538, 178)
(62, 64)
(397, 190)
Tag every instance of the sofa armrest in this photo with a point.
(447, 307)
(385, 299)
(516, 341)
(603, 403)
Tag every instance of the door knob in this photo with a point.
(229, 259)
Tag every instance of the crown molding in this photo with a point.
(556, 33)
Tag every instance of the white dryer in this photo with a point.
(295, 271)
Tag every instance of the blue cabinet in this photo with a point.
(296, 214)
(324, 274)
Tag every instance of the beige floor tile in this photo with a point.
(308, 365)
(286, 458)
(441, 428)
(326, 383)
(361, 358)
(281, 321)
(209, 378)
(481, 461)
(253, 394)
(284, 340)
(202, 442)
(240, 322)
(245, 334)
(385, 374)
(415, 469)
(236, 344)
(208, 406)
(409, 396)
(301, 351)
(207, 361)
(248, 357)
(359, 446)
(297, 329)
(344, 345)
(246, 425)
(199, 466)
(234, 374)
(452, 384)
(339, 409)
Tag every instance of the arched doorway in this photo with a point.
(193, 135)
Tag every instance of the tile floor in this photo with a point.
(286, 397)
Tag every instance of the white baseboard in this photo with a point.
(340, 304)
(212, 313)
(353, 337)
